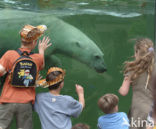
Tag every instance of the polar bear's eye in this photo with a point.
(97, 57)
(78, 44)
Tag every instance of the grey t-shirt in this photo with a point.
(55, 112)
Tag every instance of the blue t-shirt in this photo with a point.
(55, 111)
(117, 120)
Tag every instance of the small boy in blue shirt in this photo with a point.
(55, 110)
(112, 118)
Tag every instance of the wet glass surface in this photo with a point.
(110, 24)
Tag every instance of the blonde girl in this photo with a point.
(137, 73)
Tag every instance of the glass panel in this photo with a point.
(83, 33)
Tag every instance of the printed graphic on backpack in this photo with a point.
(24, 73)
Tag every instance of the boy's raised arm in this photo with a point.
(80, 92)
(43, 45)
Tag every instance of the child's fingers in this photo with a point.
(43, 39)
(47, 40)
(39, 42)
(48, 45)
(78, 85)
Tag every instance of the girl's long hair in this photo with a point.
(144, 61)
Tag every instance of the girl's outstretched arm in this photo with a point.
(124, 89)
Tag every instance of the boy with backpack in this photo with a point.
(22, 68)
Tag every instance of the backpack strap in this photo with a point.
(25, 53)
(19, 52)
(21, 56)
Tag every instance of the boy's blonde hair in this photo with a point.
(144, 62)
(108, 102)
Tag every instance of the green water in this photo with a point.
(111, 25)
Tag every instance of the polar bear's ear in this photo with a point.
(78, 44)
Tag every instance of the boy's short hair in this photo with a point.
(51, 77)
(80, 126)
(108, 102)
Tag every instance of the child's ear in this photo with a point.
(116, 108)
(62, 84)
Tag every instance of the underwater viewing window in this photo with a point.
(91, 39)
